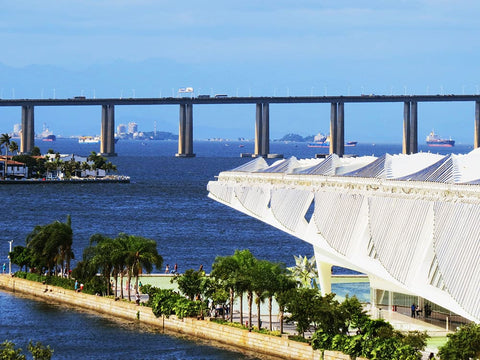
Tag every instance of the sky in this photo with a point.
(151, 48)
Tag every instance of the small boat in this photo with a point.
(88, 139)
(322, 141)
(435, 140)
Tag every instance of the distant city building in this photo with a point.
(121, 129)
(132, 127)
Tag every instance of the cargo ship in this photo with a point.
(435, 140)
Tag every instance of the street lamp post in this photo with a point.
(10, 260)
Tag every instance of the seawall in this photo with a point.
(271, 346)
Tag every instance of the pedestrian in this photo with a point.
(175, 268)
(76, 286)
(413, 308)
(81, 287)
(137, 298)
(167, 269)
(4, 268)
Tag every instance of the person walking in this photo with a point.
(413, 308)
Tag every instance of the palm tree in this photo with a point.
(119, 256)
(13, 147)
(244, 279)
(223, 271)
(5, 142)
(102, 258)
(262, 272)
(141, 254)
(305, 271)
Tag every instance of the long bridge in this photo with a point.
(410, 222)
(262, 116)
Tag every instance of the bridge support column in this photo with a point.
(413, 127)
(337, 129)
(185, 131)
(406, 128)
(410, 126)
(476, 137)
(107, 132)
(333, 129)
(262, 130)
(27, 139)
(340, 129)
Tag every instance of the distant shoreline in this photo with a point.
(122, 179)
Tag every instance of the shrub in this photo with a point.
(463, 344)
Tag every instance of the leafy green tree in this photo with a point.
(301, 306)
(215, 290)
(21, 256)
(51, 245)
(224, 270)
(464, 344)
(164, 302)
(36, 151)
(8, 351)
(354, 314)
(192, 283)
(40, 352)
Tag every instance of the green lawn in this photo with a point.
(436, 342)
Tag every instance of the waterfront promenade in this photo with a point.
(224, 335)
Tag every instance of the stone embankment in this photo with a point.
(271, 346)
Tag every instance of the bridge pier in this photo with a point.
(410, 126)
(27, 138)
(337, 129)
(262, 130)
(107, 132)
(476, 131)
(185, 131)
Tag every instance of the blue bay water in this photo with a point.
(165, 201)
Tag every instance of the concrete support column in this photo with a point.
(265, 130)
(333, 129)
(324, 277)
(27, 139)
(413, 127)
(185, 131)
(406, 128)
(181, 130)
(107, 131)
(341, 129)
(476, 131)
(390, 301)
(258, 130)
(189, 130)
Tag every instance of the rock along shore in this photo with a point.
(269, 346)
